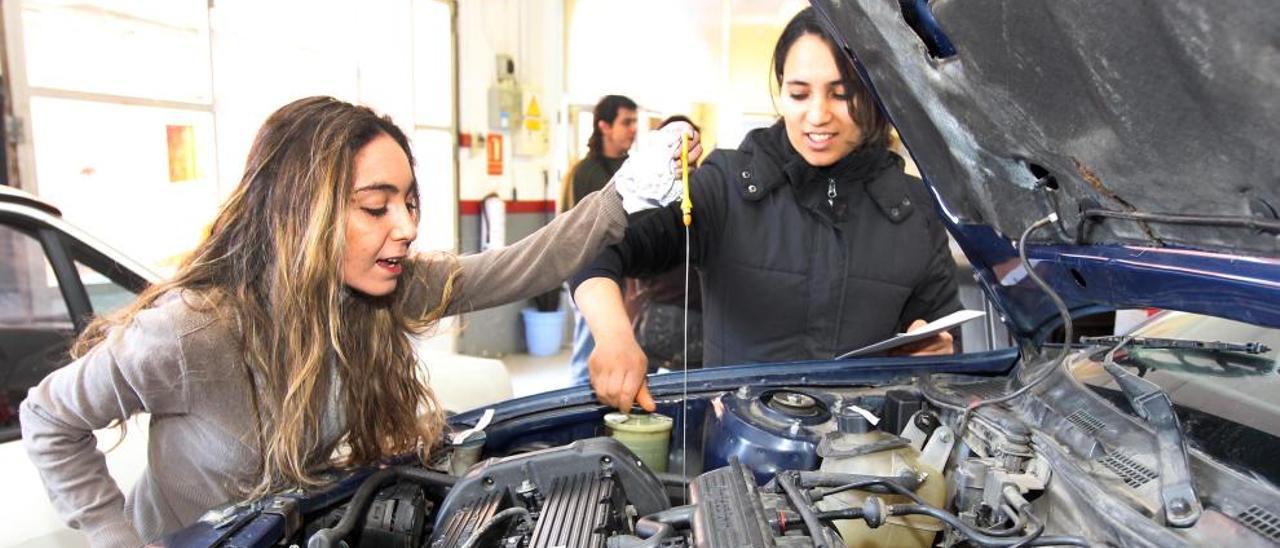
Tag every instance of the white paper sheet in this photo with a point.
(930, 329)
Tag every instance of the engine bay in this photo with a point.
(777, 467)
(892, 465)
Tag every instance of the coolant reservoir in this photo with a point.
(846, 452)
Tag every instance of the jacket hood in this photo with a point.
(1148, 128)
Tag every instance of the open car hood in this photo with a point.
(1017, 109)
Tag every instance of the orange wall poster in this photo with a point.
(182, 153)
(493, 149)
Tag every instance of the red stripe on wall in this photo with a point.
(472, 207)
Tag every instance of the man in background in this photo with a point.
(611, 138)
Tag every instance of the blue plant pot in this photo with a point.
(543, 331)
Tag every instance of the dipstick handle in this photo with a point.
(686, 203)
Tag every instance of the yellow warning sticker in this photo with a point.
(533, 115)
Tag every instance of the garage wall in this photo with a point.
(665, 54)
(530, 31)
(392, 55)
(104, 106)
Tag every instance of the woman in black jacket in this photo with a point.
(810, 238)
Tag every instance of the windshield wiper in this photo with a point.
(1181, 506)
(1154, 342)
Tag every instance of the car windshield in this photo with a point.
(1225, 400)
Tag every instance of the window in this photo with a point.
(29, 293)
(105, 295)
(35, 325)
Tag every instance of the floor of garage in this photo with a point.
(537, 374)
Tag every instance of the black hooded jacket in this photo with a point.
(787, 272)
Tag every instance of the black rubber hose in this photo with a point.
(907, 480)
(817, 531)
(856, 513)
(653, 541)
(631, 541)
(1011, 530)
(496, 519)
(673, 480)
(680, 516)
(359, 505)
(1034, 538)
(888, 485)
(810, 479)
(1037, 529)
(654, 528)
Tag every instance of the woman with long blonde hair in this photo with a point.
(280, 348)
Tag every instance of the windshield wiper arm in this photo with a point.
(1154, 342)
(1181, 505)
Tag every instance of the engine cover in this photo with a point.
(727, 510)
(576, 496)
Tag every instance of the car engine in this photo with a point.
(590, 493)
(808, 467)
(577, 495)
(854, 484)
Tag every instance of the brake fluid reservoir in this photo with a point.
(858, 448)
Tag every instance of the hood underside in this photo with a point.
(1016, 109)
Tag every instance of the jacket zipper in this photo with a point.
(844, 288)
(834, 345)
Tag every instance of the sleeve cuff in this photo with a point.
(115, 534)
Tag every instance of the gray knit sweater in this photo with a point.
(180, 365)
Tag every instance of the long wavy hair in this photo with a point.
(270, 268)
